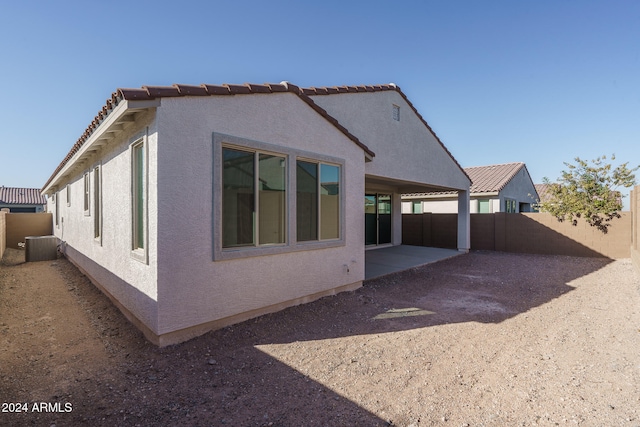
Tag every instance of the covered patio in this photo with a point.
(386, 260)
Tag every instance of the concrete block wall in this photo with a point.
(536, 233)
(437, 230)
(21, 225)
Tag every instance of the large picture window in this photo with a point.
(254, 198)
(317, 201)
(272, 199)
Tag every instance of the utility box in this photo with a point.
(41, 248)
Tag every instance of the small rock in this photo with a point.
(212, 362)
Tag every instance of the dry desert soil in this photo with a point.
(482, 339)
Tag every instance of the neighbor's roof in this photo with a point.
(179, 90)
(21, 196)
(312, 91)
(486, 179)
(543, 191)
(492, 178)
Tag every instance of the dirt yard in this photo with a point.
(483, 339)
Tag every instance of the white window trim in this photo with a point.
(219, 141)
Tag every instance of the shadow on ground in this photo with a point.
(223, 378)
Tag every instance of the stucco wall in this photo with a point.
(405, 149)
(520, 188)
(194, 289)
(109, 260)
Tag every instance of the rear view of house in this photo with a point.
(195, 207)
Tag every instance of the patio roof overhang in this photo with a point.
(403, 186)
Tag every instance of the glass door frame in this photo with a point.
(369, 223)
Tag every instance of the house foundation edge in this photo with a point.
(186, 334)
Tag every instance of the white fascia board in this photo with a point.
(113, 122)
(446, 196)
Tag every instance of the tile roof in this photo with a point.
(485, 179)
(146, 93)
(492, 178)
(21, 196)
(543, 191)
(312, 91)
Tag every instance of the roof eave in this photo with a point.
(113, 124)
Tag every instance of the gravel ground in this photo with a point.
(482, 339)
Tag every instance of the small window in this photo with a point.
(417, 207)
(484, 206)
(86, 194)
(510, 206)
(68, 194)
(396, 113)
(139, 195)
(97, 200)
(56, 198)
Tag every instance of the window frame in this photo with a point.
(319, 209)
(257, 194)
(97, 203)
(56, 200)
(139, 202)
(291, 155)
(87, 194)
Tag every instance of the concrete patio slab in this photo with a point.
(383, 261)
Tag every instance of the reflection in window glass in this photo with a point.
(139, 195)
(272, 199)
(237, 198)
(483, 206)
(307, 201)
(329, 201)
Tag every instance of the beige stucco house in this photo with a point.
(495, 188)
(195, 207)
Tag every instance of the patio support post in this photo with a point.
(464, 221)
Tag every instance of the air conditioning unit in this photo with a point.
(41, 248)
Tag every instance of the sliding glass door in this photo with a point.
(377, 218)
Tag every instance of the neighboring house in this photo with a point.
(544, 194)
(195, 207)
(495, 188)
(22, 199)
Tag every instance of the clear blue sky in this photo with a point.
(499, 81)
